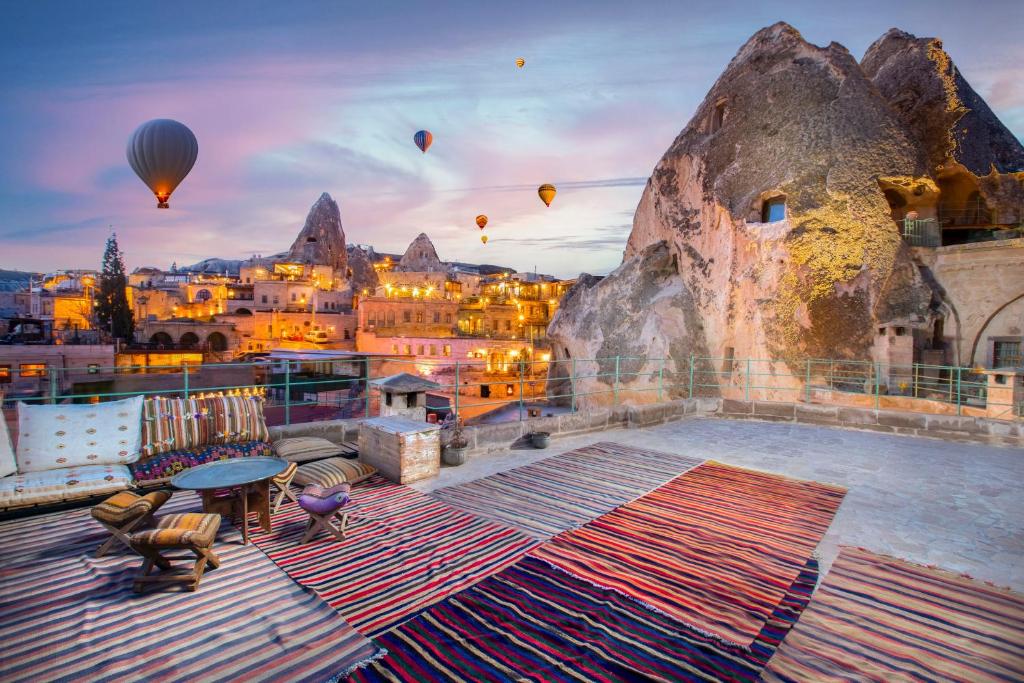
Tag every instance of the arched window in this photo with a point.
(718, 116)
(203, 295)
(773, 209)
(189, 340)
(217, 342)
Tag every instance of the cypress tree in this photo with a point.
(112, 310)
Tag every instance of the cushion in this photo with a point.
(57, 436)
(55, 486)
(163, 466)
(188, 528)
(333, 471)
(174, 424)
(324, 501)
(285, 478)
(7, 462)
(126, 506)
(304, 448)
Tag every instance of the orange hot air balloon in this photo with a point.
(520, 62)
(483, 238)
(481, 221)
(423, 140)
(162, 152)
(547, 193)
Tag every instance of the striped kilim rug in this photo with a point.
(404, 550)
(880, 619)
(69, 616)
(534, 622)
(716, 548)
(565, 491)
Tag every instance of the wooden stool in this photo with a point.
(283, 482)
(125, 511)
(190, 531)
(324, 506)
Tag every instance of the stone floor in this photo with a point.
(956, 506)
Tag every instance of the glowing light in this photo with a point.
(545, 357)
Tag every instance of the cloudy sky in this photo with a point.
(290, 99)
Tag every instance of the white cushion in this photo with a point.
(56, 436)
(69, 483)
(7, 463)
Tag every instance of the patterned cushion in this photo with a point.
(56, 436)
(333, 471)
(285, 477)
(69, 483)
(324, 501)
(304, 448)
(174, 424)
(7, 462)
(185, 529)
(163, 466)
(126, 506)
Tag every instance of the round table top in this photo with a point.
(221, 474)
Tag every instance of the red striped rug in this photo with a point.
(404, 550)
(877, 618)
(715, 548)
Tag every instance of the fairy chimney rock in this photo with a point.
(421, 257)
(322, 239)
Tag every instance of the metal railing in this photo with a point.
(478, 391)
(922, 232)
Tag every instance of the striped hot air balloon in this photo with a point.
(520, 62)
(162, 152)
(481, 221)
(423, 140)
(547, 193)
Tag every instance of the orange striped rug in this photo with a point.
(877, 618)
(715, 548)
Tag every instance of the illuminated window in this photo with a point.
(33, 369)
(391, 317)
(394, 348)
(408, 349)
(419, 316)
(448, 318)
(773, 210)
(407, 316)
(5, 374)
(437, 316)
(419, 350)
(433, 349)
(447, 350)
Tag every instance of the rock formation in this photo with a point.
(322, 239)
(713, 269)
(421, 257)
(362, 274)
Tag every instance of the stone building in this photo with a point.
(815, 207)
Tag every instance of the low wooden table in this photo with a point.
(246, 481)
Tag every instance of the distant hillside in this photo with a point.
(14, 280)
(215, 265)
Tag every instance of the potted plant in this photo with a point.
(455, 444)
(540, 439)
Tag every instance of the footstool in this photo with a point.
(189, 531)
(324, 505)
(283, 483)
(125, 511)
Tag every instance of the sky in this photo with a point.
(291, 99)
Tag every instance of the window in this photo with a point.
(437, 316)
(391, 318)
(1005, 354)
(270, 329)
(276, 300)
(448, 318)
(347, 335)
(410, 400)
(5, 374)
(407, 316)
(371, 318)
(408, 349)
(447, 350)
(419, 316)
(508, 325)
(263, 299)
(94, 368)
(33, 369)
(773, 210)
(718, 116)
(433, 349)
(294, 296)
(394, 348)
(419, 350)
(387, 399)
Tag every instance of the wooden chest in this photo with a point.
(403, 450)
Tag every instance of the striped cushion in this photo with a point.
(303, 448)
(285, 478)
(126, 506)
(185, 529)
(333, 471)
(163, 466)
(173, 424)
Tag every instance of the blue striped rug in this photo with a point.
(69, 616)
(566, 491)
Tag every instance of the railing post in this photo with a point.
(807, 383)
(691, 377)
(958, 385)
(878, 384)
(572, 384)
(661, 378)
(917, 378)
(53, 384)
(522, 364)
(615, 387)
(184, 379)
(287, 392)
(366, 383)
(456, 392)
(746, 382)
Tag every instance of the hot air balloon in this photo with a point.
(483, 238)
(547, 193)
(423, 140)
(162, 152)
(481, 221)
(520, 62)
